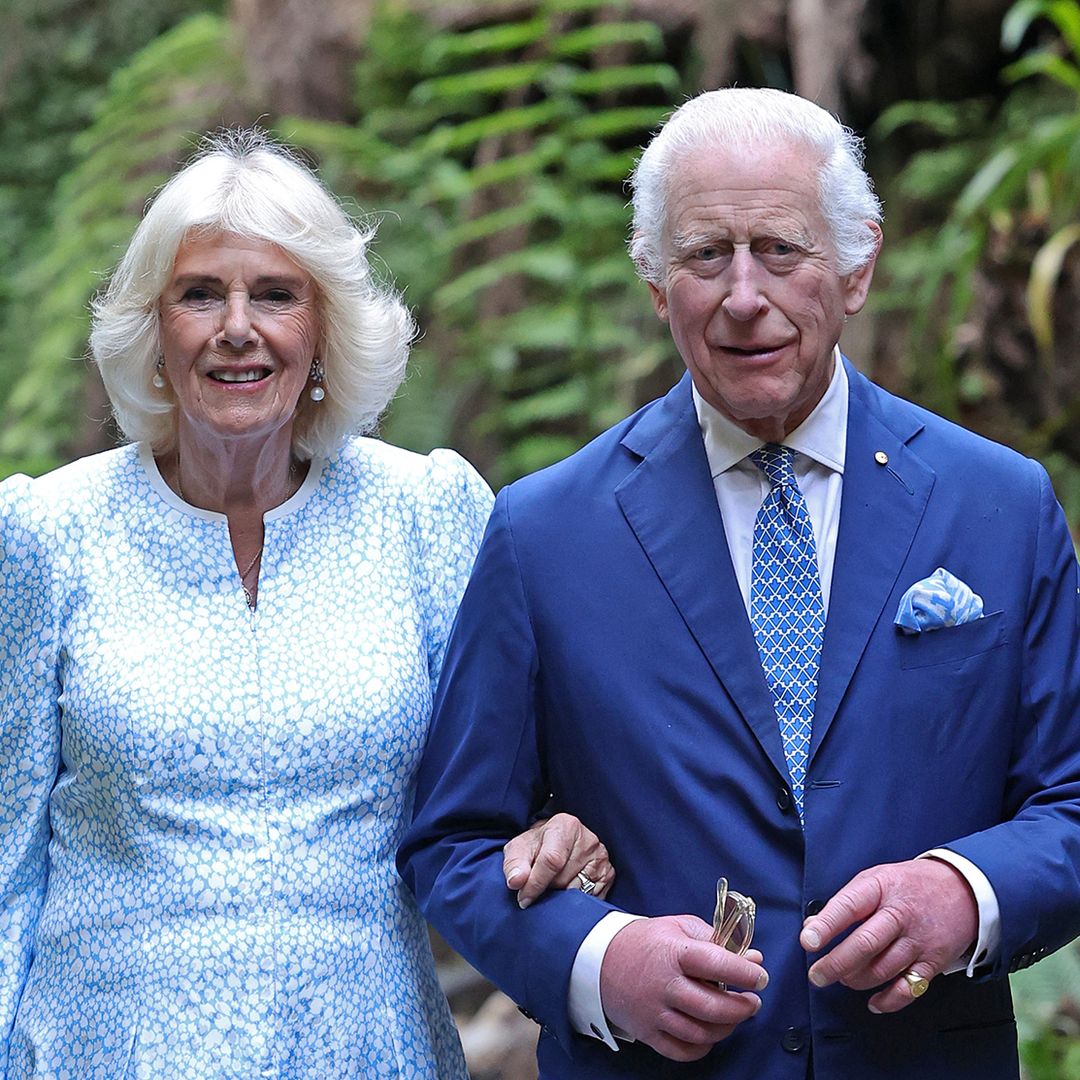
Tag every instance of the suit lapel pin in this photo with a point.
(883, 460)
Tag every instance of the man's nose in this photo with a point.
(744, 299)
(236, 329)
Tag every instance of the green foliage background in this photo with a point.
(495, 154)
(989, 212)
(501, 152)
(84, 108)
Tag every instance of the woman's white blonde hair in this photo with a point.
(243, 182)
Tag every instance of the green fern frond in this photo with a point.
(145, 120)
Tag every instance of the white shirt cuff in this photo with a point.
(986, 944)
(584, 1005)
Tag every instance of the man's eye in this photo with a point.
(709, 253)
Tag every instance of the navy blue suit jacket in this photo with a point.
(603, 661)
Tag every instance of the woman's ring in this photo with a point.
(587, 884)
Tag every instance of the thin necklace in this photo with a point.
(249, 596)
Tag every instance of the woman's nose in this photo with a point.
(236, 329)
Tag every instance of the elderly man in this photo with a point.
(778, 626)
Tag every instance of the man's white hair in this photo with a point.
(735, 118)
(243, 182)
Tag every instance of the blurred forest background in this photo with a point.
(491, 139)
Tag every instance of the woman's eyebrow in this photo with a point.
(262, 281)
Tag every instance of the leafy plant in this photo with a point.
(1047, 1002)
(57, 58)
(142, 125)
(500, 148)
(1010, 177)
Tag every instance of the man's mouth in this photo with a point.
(758, 350)
(226, 375)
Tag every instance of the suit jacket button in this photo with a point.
(814, 908)
(793, 1040)
(783, 800)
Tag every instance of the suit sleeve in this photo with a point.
(29, 739)
(480, 782)
(1032, 859)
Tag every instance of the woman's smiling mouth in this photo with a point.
(231, 375)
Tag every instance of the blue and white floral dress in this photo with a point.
(200, 804)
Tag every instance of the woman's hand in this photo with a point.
(551, 854)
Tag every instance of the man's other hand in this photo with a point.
(918, 916)
(659, 984)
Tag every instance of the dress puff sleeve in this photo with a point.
(452, 512)
(29, 734)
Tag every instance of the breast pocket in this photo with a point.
(952, 643)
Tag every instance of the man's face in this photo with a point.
(751, 297)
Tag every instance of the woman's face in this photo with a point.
(239, 329)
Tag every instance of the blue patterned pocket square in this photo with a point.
(937, 601)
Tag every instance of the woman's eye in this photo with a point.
(277, 296)
(197, 293)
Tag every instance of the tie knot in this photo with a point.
(777, 463)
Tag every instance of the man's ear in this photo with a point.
(641, 264)
(659, 301)
(857, 283)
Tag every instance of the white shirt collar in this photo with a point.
(822, 436)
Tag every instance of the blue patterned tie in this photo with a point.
(786, 611)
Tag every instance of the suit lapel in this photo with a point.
(670, 504)
(880, 512)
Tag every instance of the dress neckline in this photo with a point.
(291, 505)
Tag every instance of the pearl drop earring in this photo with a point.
(159, 377)
(317, 375)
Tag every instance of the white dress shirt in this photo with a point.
(741, 488)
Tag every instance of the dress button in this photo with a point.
(792, 1041)
(783, 800)
(814, 907)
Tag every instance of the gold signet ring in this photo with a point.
(916, 983)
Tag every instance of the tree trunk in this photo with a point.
(826, 54)
(300, 55)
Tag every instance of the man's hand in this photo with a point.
(918, 916)
(658, 984)
(550, 854)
